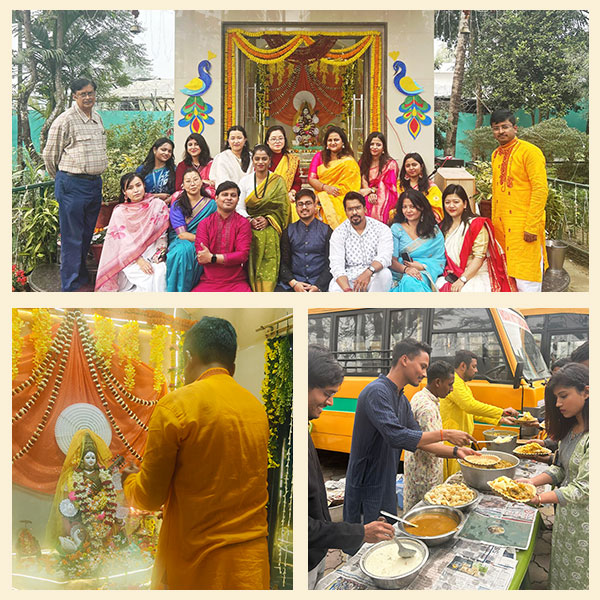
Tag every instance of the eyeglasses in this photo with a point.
(303, 204)
(502, 127)
(276, 139)
(85, 94)
(355, 209)
(328, 393)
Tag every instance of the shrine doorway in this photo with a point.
(304, 79)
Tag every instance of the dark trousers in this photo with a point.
(79, 203)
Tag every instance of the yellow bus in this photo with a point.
(512, 371)
(558, 331)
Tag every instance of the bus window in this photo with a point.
(563, 344)
(359, 341)
(469, 329)
(406, 323)
(319, 331)
(568, 321)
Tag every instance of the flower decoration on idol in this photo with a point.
(305, 126)
(195, 111)
(413, 110)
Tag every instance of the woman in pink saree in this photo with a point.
(379, 177)
(135, 248)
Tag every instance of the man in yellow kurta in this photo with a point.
(519, 194)
(459, 407)
(205, 462)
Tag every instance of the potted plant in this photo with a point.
(483, 185)
(97, 243)
(556, 248)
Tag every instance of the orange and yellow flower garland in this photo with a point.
(158, 339)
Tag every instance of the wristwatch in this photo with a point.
(455, 451)
(213, 258)
(463, 279)
(372, 269)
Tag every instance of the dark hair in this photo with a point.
(502, 114)
(464, 356)
(126, 179)
(440, 369)
(560, 363)
(426, 226)
(262, 148)
(273, 129)
(183, 199)
(148, 165)
(581, 353)
(365, 159)
(306, 192)
(212, 340)
(204, 157)
(572, 375)
(323, 369)
(409, 347)
(227, 185)
(423, 183)
(346, 149)
(354, 196)
(245, 149)
(79, 84)
(459, 190)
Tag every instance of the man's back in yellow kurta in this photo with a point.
(206, 461)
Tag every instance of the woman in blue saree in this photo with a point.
(190, 207)
(158, 170)
(419, 257)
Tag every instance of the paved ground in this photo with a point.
(580, 276)
(334, 466)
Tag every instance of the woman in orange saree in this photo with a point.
(333, 173)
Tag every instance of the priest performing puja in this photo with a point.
(415, 437)
(142, 458)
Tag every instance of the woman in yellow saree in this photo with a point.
(285, 164)
(264, 200)
(333, 173)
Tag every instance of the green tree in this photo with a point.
(62, 45)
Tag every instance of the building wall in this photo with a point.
(410, 33)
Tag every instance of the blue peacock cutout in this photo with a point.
(413, 109)
(195, 111)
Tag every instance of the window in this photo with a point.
(563, 344)
(360, 342)
(319, 331)
(406, 323)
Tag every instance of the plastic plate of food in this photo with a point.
(512, 490)
(532, 449)
(457, 495)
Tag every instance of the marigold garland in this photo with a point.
(158, 339)
(105, 334)
(129, 351)
(17, 341)
(41, 334)
(277, 391)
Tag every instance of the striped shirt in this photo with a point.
(76, 144)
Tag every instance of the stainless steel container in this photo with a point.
(492, 434)
(478, 478)
(400, 581)
(468, 506)
(436, 540)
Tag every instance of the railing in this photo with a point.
(576, 198)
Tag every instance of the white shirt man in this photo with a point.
(361, 251)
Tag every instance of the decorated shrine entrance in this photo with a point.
(304, 80)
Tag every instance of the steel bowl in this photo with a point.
(435, 540)
(400, 581)
(478, 478)
(492, 434)
(464, 507)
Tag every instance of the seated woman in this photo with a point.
(158, 170)
(333, 173)
(191, 206)
(135, 248)
(235, 160)
(264, 201)
(284, 163)
(379, 177)
(413, 174)
(474, 259)
(197, 156)
(418, 258)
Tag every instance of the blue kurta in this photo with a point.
(383, 426)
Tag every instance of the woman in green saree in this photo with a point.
(264, 201)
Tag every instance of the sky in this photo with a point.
(159, 39)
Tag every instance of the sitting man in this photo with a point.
(360, 251)
(305, 250)
(223, 244)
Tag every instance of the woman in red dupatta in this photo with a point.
(135, 248)
(474, 259)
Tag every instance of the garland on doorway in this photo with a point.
(17, 341)
(129, 351)
(158, 342)
(41, 334)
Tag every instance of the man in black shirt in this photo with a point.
(325, 376)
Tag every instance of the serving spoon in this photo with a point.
(403, 551)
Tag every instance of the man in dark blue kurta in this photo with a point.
(383, 426)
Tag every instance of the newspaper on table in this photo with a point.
(460, 564)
